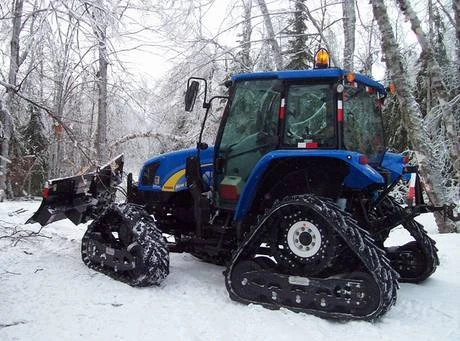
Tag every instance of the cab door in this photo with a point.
(249, 131)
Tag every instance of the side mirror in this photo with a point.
(228, 83)
(190, 95)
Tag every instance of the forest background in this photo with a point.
(85, 80)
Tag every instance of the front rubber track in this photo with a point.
(141, 237)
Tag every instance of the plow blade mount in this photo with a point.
(80, 197)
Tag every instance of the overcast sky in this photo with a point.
(153, 62)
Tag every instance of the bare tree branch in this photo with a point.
(147, 134)
(320, 32)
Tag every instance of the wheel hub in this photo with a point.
(305, 244)
(304, 239)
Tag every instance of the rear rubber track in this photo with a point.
(356, 239)
(423, 243)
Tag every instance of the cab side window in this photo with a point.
(310, 116)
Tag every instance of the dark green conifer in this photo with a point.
(299, 56)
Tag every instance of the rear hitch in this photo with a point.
(415, 202)
(447, 211)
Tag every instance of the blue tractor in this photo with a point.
(293, 199)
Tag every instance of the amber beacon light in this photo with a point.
(322, 59)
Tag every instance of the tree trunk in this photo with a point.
(369, 61)
(6, 111)
(349, 23)
(6, 127)
(271, 35)
(247, 32)
(57, 147)
(102, 150)
(14, 51)
(456, 8)
(411, 117)
(439, 90)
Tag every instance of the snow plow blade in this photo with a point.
(80, 197)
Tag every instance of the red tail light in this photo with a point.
(363, 159)
(45, 191)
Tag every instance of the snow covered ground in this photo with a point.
(47, 293)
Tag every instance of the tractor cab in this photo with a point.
(307, 110)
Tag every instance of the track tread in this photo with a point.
(358, 240)
(154, 258)
(418, 232)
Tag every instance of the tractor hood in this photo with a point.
(166, 172)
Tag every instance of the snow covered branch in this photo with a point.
(148, 134)
(17, 235)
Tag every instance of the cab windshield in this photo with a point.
(363, 126)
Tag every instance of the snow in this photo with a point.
(47, 293)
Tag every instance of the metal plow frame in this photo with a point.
(80, 197)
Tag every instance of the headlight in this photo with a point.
(148, 173)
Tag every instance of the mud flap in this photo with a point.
(81, 197)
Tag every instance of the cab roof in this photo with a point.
(308, 74)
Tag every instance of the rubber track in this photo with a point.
(119, 276)
(427, 245)
(150, 239)
(357, 239)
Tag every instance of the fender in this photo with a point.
(169, 175)
(359, 176)
(393, 163)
